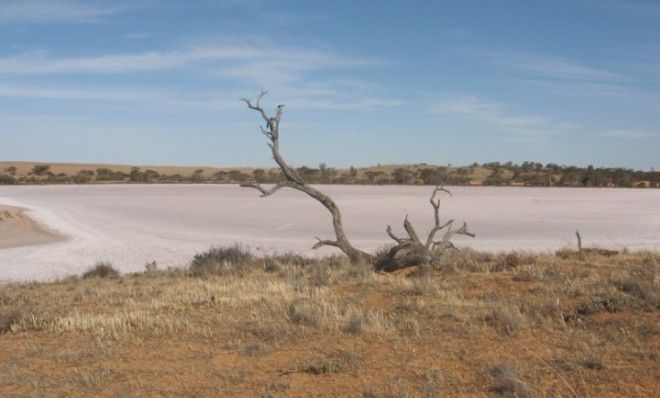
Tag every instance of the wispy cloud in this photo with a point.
(294, 73)
(40, 63)
(549, 66)
(56, 11)
(234, 59)
(631, 134)
(496, 116)
(322, 98)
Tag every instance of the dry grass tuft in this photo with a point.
(505, 318)
(9, 318)
(342, 362)
(222, 261)
(508, 381)
(101, 270)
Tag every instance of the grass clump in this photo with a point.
(508, 381)
(101, 270)
(222, 261)
(507, 261)
(8, 319)
(344, 361)
(305, 312)
(506, 318)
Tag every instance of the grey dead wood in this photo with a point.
(408, 251)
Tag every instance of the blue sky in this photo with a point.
(364, 82)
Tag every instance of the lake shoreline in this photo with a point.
(18, 229)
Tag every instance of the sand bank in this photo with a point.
(18, 229)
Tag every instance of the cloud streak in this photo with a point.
(549, 66)
(56, 11)
(304, 98)
(636, 135)
(496, 117)
(232, 59)
(294, 73)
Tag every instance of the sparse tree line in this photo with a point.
(537, 174)
(494, 173)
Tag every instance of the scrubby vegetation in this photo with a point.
(494, 173)
(475, 324)
(101, 270)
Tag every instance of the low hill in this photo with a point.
(494, 173)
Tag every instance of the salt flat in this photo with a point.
(129, 225)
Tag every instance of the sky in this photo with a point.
(363, 82)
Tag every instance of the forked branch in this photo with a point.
(293, 180)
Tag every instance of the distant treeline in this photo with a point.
(495, 173)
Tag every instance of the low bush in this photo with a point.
(221, 260)
(101, 270)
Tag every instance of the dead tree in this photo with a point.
(407, 252)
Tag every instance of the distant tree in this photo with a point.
(496, 178)
(6, 179)
(83, 176)
(431, 176)
(259, 175)
(11, 170)
(221, 176)
(40, 169)
(238, 176)
(326, 174)
(402, 176)
(151, 175)
(275, 176)
(136, 175)
(375, 177)
(198, 176)
(103, 174)
(308, 173)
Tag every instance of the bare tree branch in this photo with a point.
(464, 231)
(410, 230)
(407, 252)
(435, 203)
(446, 238)
(322, 243)
(296, 182)
(394, 237)
(267, 192)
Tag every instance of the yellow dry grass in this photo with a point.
(515, 324)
